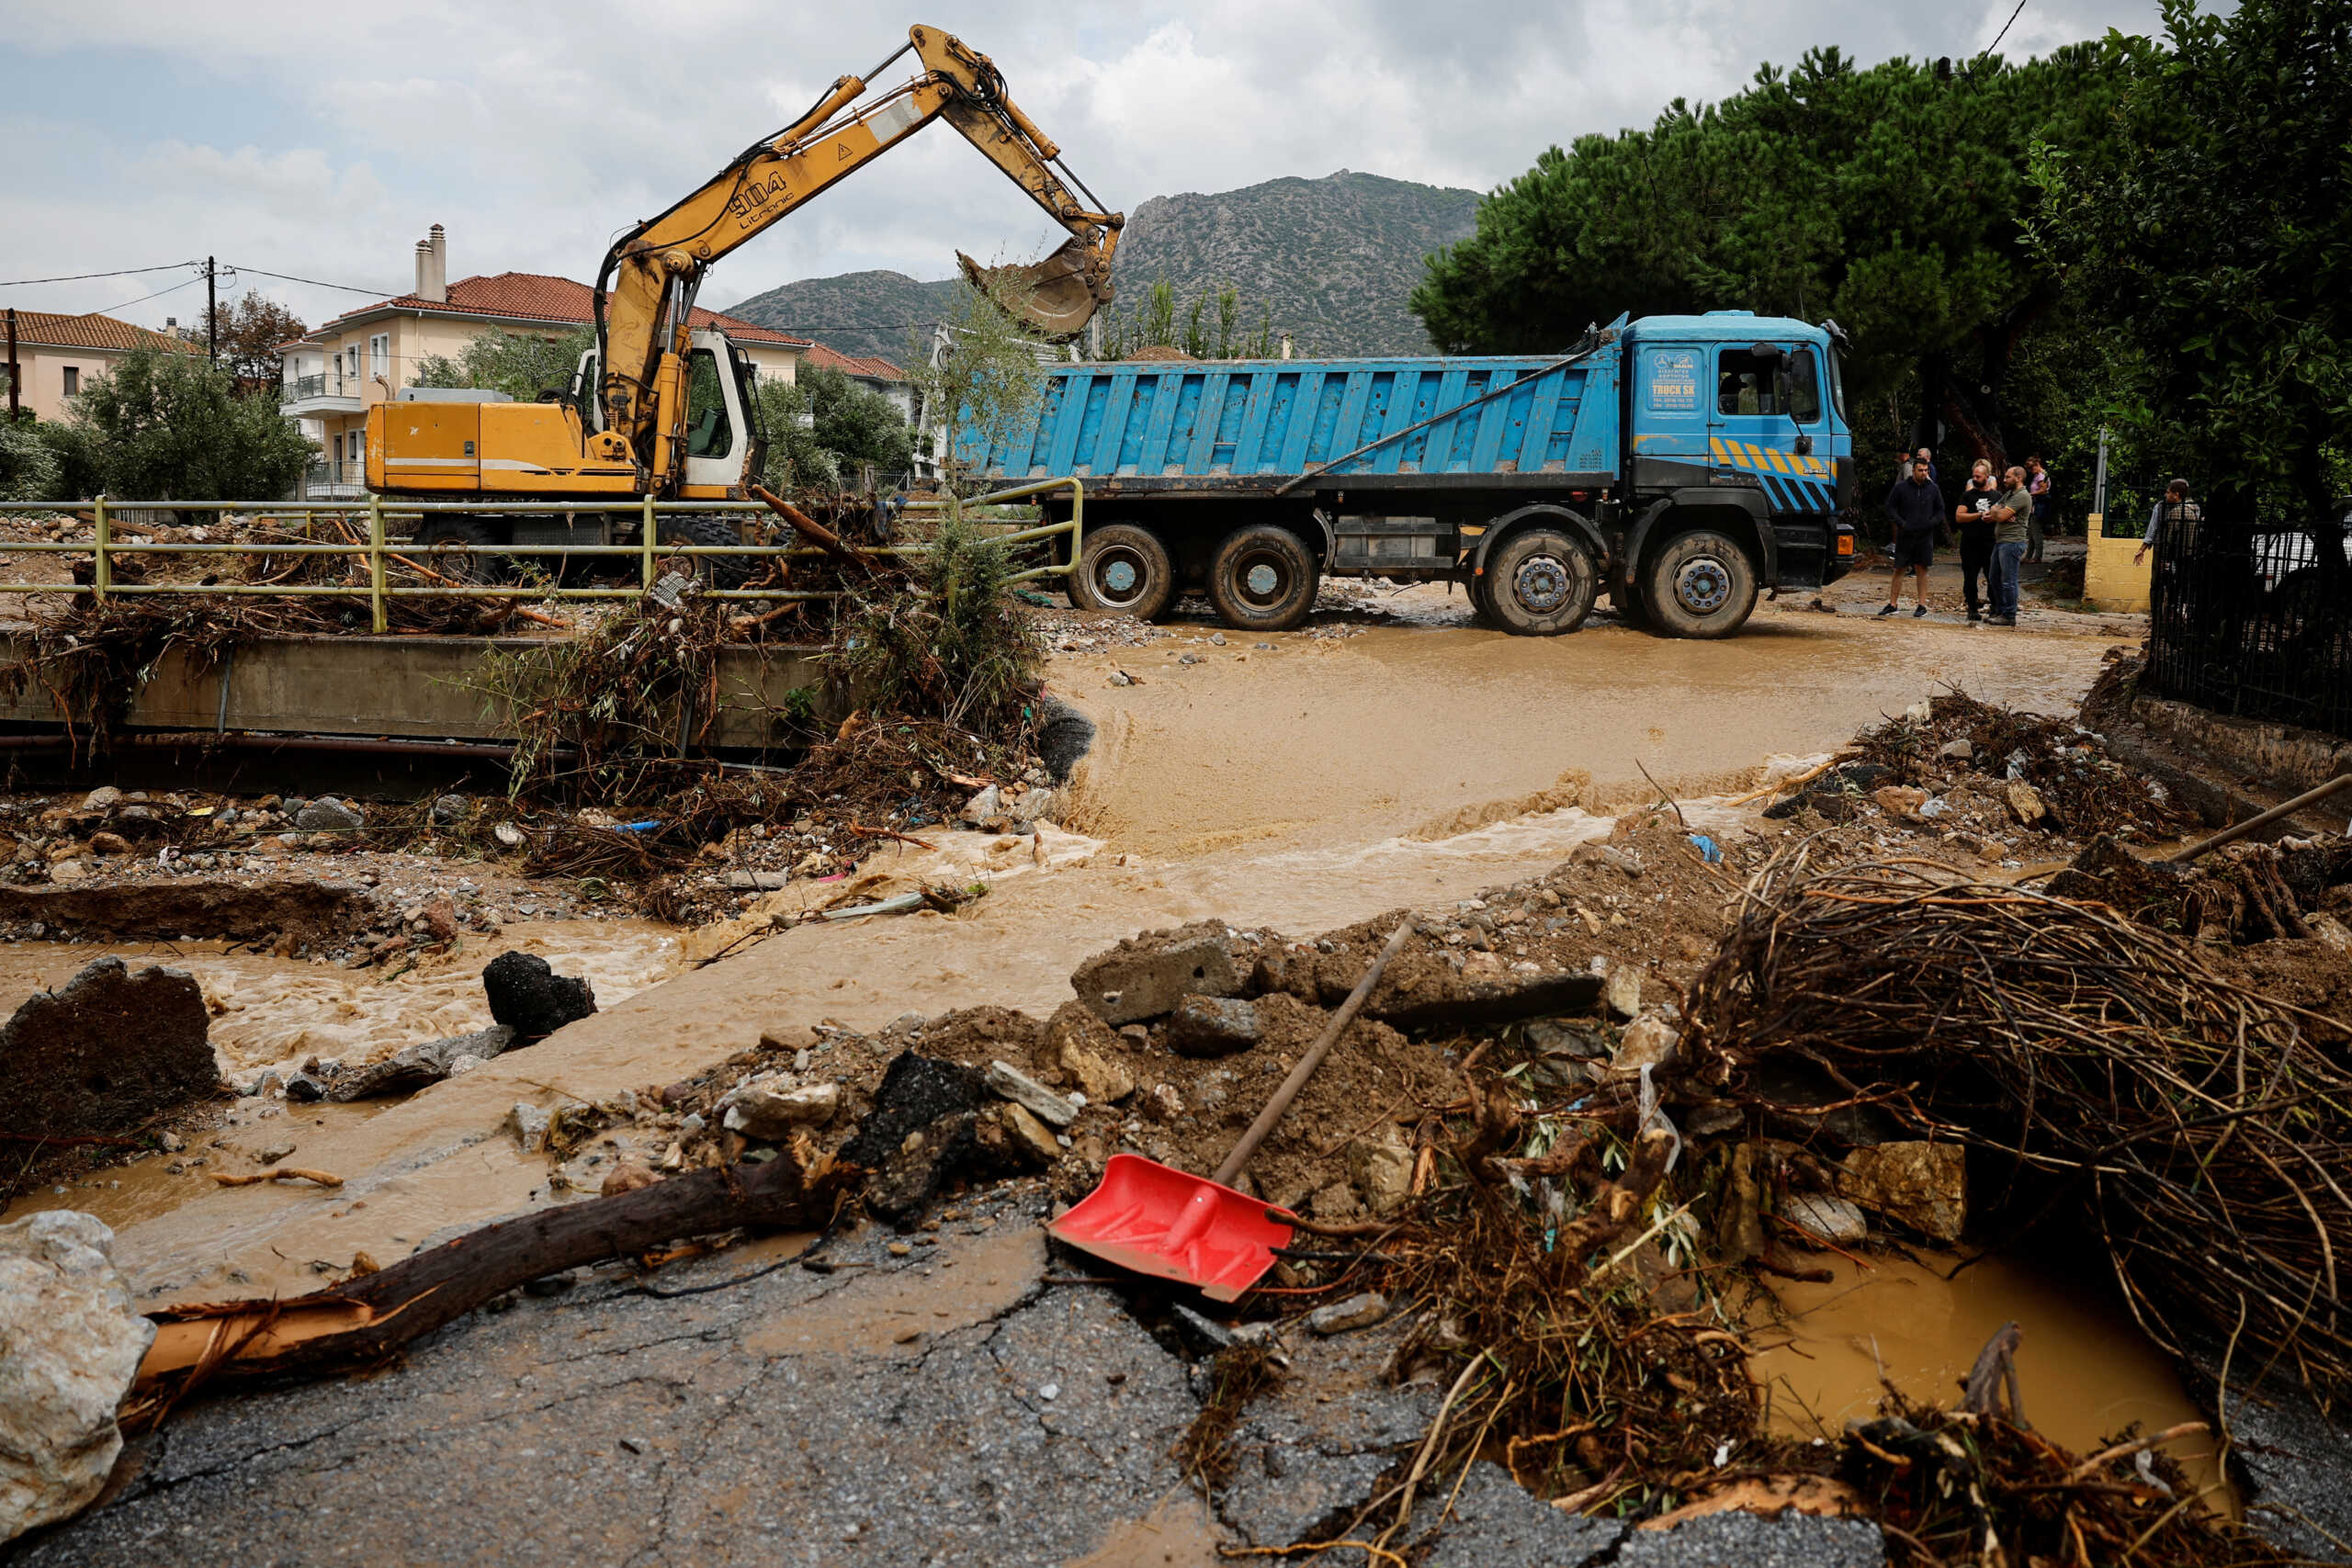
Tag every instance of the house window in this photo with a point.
(351, 360)
(380, 354)
(72, 380)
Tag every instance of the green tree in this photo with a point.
(247, 334)
(1892, 199)
(823, 428)
(1211, 326)
(167, 425)
(29, 466)
(981, 387)
(2214, 230)
(520, 364)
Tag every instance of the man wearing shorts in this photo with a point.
(1918, 508)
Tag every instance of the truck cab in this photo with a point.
(1741, 418)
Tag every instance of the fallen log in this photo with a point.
(816, 533)
(363, 1321)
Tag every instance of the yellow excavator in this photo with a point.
(661, 408)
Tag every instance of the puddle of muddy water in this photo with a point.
(2085, 1370)
(270, 1011)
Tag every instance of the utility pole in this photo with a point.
(12, 377)
(211, 313)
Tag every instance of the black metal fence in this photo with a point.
(2254, 620)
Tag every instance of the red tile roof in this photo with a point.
(819, 357)
(534, 296)
(93, 331)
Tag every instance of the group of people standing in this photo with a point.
(2000, 524)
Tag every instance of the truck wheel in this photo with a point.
(712, 571)
(1262, 579)
(1699, 584)
(445, 540)
(1126, 570)
(1540, 583)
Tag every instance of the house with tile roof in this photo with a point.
(365, 355)
(59, 355)
(874, 374)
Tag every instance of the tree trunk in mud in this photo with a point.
(361, 1322)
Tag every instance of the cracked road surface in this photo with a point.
(949, 1405)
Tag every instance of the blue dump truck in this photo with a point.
(1683, 463)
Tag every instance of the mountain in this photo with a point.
(864, 315)
(1335, 259)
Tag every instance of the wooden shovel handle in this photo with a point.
(1308, 1063)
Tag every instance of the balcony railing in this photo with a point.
(328, 384)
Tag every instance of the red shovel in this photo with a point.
(1160, 1220)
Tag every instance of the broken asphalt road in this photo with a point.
(945, 1405)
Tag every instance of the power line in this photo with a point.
(185, 283)
(2005, 29)
(79, 276)
(315, 283)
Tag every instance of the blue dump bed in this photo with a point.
(1176, 426)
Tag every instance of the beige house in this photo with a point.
(59, 355)
(365, 356)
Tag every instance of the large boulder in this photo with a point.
(70, 1344)
(105, 1053)
(531, 999)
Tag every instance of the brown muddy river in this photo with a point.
(1300, 787)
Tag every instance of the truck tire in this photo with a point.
(1699, 584)
(1540, 583)
(712, 571)
(1126, 570)
(441, 538)
(1262, 579)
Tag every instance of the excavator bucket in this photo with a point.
(1055, 297)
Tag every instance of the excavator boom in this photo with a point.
(645, 291)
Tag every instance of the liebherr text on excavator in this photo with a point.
(661, 408)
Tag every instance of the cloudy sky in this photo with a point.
(320, 141)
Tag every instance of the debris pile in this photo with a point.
(2118, 1080)
(1986, 774)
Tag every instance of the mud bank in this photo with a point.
(1429, 729)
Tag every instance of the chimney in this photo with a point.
(433, 267)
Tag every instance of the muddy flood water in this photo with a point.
(1299, 787)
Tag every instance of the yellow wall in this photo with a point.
(2110, 581)
(44, 372)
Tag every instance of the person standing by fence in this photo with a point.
(1973, 513)
(1917, 507)
(2009, 512)
(2037, 485)
(2175, 508)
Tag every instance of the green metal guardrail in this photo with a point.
(379, 548)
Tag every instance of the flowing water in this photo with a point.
(1301, 787)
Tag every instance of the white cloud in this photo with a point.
(535, 130)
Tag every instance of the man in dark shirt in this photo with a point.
(1918, 508)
